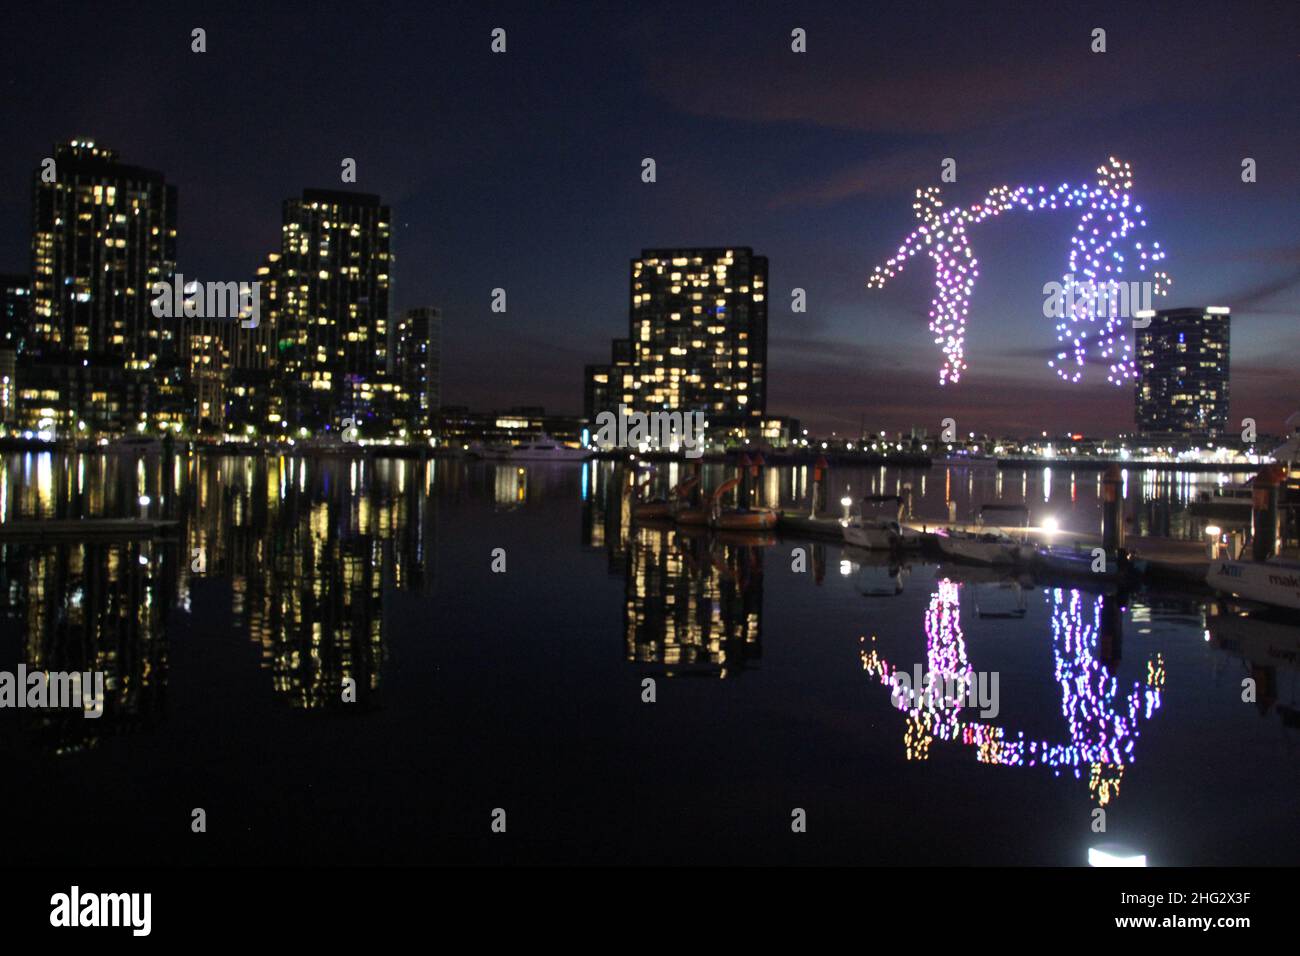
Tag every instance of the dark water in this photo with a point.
(523, 690)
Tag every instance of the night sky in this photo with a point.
(523, 170)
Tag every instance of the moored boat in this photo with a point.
(993, 546)
(1275, 583)
(1076, 562)
(642, 510)
(739, 519)
(540, 447)
(986, 544)
(745, 519)
(879, 531)
(692, 516)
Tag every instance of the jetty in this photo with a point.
(85, 529)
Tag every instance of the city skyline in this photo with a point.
(333, 352)
(820, 184)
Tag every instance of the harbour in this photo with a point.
(763, 646)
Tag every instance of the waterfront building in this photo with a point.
(697, 341)
(332, 337)
(1183, 373)
(417, 361)
(254, 403)
(102, 233)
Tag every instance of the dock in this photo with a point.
(85, 529)
(1160, 560)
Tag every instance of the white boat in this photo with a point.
(531, 448)
(1232, 501)
(547, 449)
(991, 546)
(985, 544)
(878, 532)
(874, 534)
(1275, 583)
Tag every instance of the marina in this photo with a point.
(763, 644)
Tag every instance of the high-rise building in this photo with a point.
(15, 317)
(418, 364)
(1183, 372)
(102, 233)
(698, 338)
(332, 336)
(254, 402)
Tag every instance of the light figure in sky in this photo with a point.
(1092, 284)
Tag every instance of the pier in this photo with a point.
(83, 529)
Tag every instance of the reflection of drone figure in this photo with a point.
(1103, 724)
(942, 236)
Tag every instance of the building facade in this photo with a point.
(102, 234)
(1183, 373)
(332, 333)
(417, 362)
(697, 338)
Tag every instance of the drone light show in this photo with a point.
(1099, 256)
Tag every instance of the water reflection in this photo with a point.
(694, 602)
(1103, 718)
(298, 553)
(1267, 651)
(93, 607)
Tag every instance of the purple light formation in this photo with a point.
(1097, 260)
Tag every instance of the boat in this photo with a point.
(1054, 560)
(1275, 583)
(984, 544)
(738, 519)
(545, 448)
(982, 547)
(1230, 502)
(642, 510)
(135, 445)
(744, 519)
(539, 447)
(698, 515)
(879, 532)
(684, 503)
